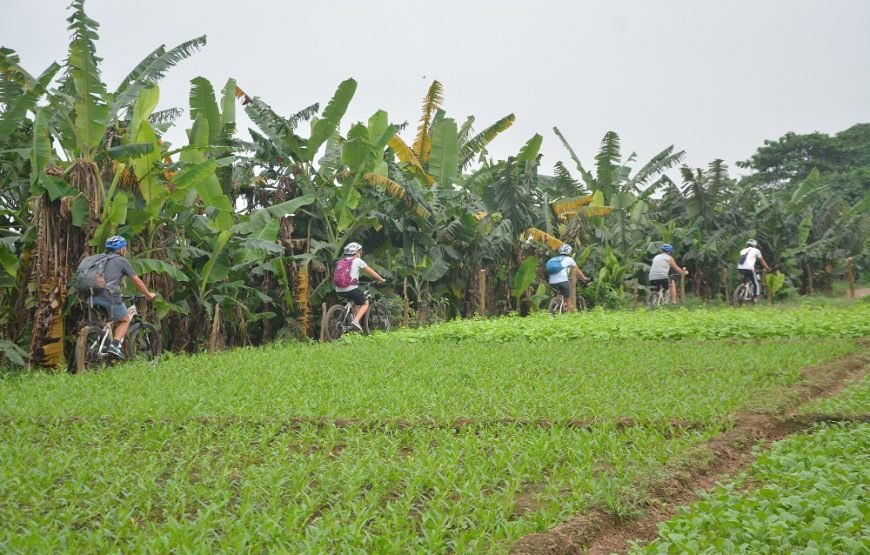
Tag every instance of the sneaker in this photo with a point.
(115, 351)
(356, 326)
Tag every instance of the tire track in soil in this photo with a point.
(598, 532)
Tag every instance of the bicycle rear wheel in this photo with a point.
(87, 353)
(655, 299)
(335, 322)
(742, 294)
(377, 318)
(144, 342)
(557, 306)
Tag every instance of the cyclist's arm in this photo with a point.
(674, 266)
(140, 285)
(580, 273)
(374, 274)
(763, 262)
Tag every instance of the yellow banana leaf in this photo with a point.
(407, 156)
(544, 237)
(592, 211)
(431, 103)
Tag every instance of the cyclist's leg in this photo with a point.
(563, 290)
(361, 304)
(672, 290)
(117, 313)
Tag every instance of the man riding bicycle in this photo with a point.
(346, 280)
(746, 266)
(110, 298)
(659, 271)
(559, 279)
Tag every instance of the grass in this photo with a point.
(403, 442)
(810, 497)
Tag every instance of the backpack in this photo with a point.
(554, 265)
(341, 277)
(90, 280)
(743, 256)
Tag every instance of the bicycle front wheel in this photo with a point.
(377, 318)
(144, 342)
(335, 322)
(88, 344)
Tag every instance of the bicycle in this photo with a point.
(743, 292)
(659, 295)
(143, 340)
(340, 316)
(559, 304)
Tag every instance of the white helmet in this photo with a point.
(352, 248)
(565, 249)
(752, 243)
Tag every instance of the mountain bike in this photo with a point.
(659, 296)
(559, 304)
(143, 340)
(340, 316)
(743, 292)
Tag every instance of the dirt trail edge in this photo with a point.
(597, 532)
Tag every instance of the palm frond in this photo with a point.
(607, 161)
(165, 116)
(91, 110)
(587, 177)
(396, 191)
(471, 148)
(662, 161)
(431, 103)
(15, 79)
(152, 69)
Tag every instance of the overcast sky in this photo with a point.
(712, 78)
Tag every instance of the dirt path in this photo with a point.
(860, 292)
(722, 457)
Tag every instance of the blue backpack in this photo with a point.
(554, 265)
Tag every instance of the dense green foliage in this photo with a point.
(808, 495)
(239, 234)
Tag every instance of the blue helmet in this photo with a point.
(667, 248)
(115, 243)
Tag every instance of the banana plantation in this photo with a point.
(238, 230)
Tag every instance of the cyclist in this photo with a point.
(659, 270)
(559, 279)
(110, 298)
(746, 266)
(346, 280)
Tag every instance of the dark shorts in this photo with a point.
(659, 283)
(562, 288)
(355, 295)
(116, 311)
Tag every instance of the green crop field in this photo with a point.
(463, 437)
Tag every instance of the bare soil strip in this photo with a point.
(724, 456)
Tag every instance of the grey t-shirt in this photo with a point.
(660, 265)
(116, 268)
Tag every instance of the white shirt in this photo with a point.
(661, 264)
(562, 275)
(355, 267)
(752, 255)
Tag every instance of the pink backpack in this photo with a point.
(341, 277)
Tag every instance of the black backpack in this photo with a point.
(90, 280)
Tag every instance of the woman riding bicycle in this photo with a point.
(659, 270)
(346, 280)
